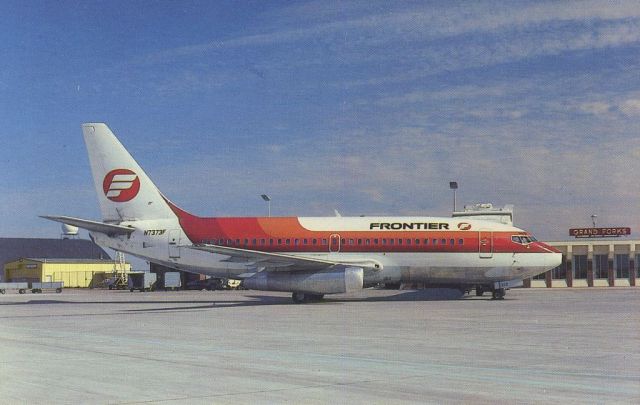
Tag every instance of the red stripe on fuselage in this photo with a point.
(288, 235)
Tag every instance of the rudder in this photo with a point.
(124, 190)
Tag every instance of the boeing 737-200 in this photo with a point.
(307, 256)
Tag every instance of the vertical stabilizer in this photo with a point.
(124, 190)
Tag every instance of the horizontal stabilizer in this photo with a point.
(93, 226)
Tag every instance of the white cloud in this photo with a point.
(630, 107)
(518, 32)
(596, 108)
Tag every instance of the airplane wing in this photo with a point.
(94, 226)
(279, 261)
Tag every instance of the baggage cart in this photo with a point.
(21, 287)
(142, 281)
(37, 288)
(172, 280)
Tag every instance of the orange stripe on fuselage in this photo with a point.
(212, 230)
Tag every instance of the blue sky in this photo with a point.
(367, 107)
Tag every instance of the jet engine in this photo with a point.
(331, 281)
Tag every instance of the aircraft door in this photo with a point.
(334, 243)
(174, 243)
(485, 244)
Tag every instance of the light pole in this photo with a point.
(593, 219)
(453, 185)
(268, 200)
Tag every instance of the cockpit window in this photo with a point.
(523, 239)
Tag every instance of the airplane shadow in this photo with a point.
(176, 305)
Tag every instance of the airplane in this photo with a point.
(306, 256)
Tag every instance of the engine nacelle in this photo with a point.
(331, 281)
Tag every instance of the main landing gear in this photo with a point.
(303, 298)
(499, 293)
(496, 293)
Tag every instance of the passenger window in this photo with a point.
(271, 242)
(443, 241)
(426, 241)
(367, 242)
(304, 242)
(399, 241)
(384, 241)
(237, 242)
(452, 242)
(375, 241)
(417, 241)
(314, 241)
(408, 241)
(255, 242)
(460, 241)
(391, 241)
(287, 242)
(351, 241)
(359, 241)
(279, 241)
(324, 241)
(434, 242)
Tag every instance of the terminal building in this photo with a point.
(598, 257)
(597, 262)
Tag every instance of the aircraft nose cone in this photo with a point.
(553, 260)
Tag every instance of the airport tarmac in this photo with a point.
(379, 346)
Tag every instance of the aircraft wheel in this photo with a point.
(499, 294)
(300, 297)
(479, 291)
(315, 297)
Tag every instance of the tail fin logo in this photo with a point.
(121, 185)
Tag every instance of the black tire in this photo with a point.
(2, 291)
(22, 291)
(479, 291)
(499, 294)
(131, 289)
(58, 290)
(303, 298)
(298, 297)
